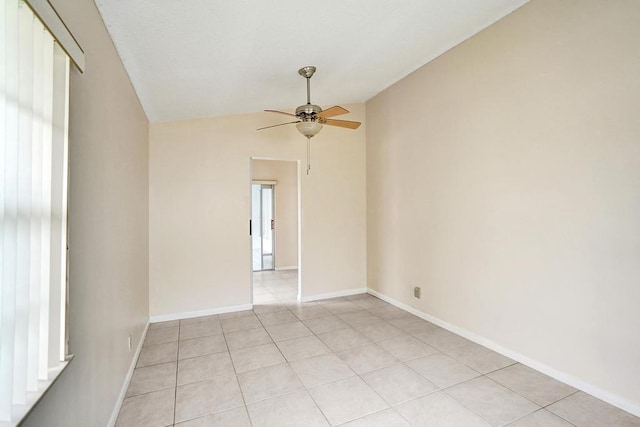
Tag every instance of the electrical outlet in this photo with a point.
(416, 292)
(129, 343)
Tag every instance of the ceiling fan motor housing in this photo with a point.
(307, 111)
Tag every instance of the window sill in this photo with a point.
(20, 412)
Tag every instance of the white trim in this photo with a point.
(263, 182)
(290, 267)
(589, 388)
(345, 293)
(127, 379)
(58, 29)
(208, 312)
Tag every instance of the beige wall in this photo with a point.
(286, 207)
(503, 178)
(108, 223)
(200, 250)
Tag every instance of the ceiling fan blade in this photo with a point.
(280, 112)
(281, 124)
(333, 111)
(341, 123)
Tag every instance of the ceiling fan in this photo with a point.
(311, 118)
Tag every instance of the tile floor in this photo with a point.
(353, 361)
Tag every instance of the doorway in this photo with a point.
(262, 226)
(275, 231)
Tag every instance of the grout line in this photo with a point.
(175, 390)
(235, 372)
(558, 415)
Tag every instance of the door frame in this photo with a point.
(298, 216)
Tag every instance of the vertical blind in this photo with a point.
(34, 78)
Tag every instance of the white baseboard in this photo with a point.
(344, 293)
(127, 379)
(208, 312)
(589, 388)
(291, 267)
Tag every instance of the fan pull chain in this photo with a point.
(308, 155)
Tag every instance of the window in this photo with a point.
(34, 83)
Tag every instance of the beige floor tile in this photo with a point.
(246, 359)
(406, 348)
(299, 305)
(152, 378)
(265, 299)
(161, 335)
(439, 409)
(285, 296)
(309, 312)
(343, 339)
(302, 348)
(204, 368)
(236, 417)
(367, 358)
(541, 418)
(442, 370)
(291, 410)
(265, 383)
(241, 323)
(213, 318)
(207, 397)
(268, 308)
(275, 287)
(167, 324)
(156, 354)
(585, 410)
(202, 346)
(198, 330)
(388, 312)
(331, 300)
(398, 383)
(490, 400)
(288, 331)
(288, 301)
(341, 307)
(320, 325)
(479, 358)
(277, 317)
(386, 418)
(320, 370)
(235, 315)
(366, 301)
(259, 291)
(147, 410)
(378, 331)
(248, 338)
(441, 339)
(346, 400)
(413, 325)
(357, 318)
(532, 384)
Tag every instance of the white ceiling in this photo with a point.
(203, 58)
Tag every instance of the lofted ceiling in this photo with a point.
(202, 58)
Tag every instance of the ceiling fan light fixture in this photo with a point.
(309, 128)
